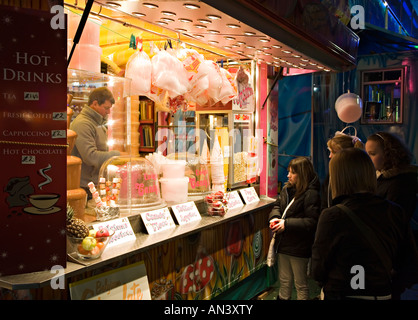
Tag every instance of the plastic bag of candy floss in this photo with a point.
(139, 68)
(215, 81)
(169, 74)
(198, 93)
(228, 90)
(193, 64)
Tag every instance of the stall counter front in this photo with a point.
(198, 260)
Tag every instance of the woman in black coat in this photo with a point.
(396, 177)
(294, 218)
(343, 261)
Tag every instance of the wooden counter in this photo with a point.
(167, 253)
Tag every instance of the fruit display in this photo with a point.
(75, 227)
(86, 243)
(217, 203)
(91, 246)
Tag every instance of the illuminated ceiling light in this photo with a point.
(286, 51)
(213, 31)
(250, 47)
(204, 21)
(113, 4)
(296, 55)
(185, 20)
(267, 53)
(199, 36)
(276, 58)
(150, 5)
(320, 67)
(235, 46)
(304, 60)
(181, 30)
(276, 46)
(200, 26)
(167, 19)
(249, 33)
(213, 17)
(312, 63)
(213, 42)
(327, 70)
(227, 47)
(162, 23)
(266, 48)
(289, 63)
(250, 55)
(168, 13)
(240, 42)
(191, 6)
(264, 40)
(302, 64)
(229, 38)
(240, 51)
(233, 26)
(139, 14)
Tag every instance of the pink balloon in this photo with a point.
(349, 107)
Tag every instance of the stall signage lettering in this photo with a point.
(186, 212)
(157, 220)
(249, 195)
(126, 283)
(242, 117)
(123, 230)
(234, 200)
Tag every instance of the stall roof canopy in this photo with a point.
(378, 40)
(238, 30)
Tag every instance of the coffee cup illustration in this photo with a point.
(43, 203)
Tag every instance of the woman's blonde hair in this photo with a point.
(343, 141)
(351, 171)
(303, 167)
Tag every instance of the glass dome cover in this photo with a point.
(139, 187)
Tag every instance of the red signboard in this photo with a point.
(33, 87)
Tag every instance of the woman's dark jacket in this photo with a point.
(399, 186)
(300, 221)
(339, 245)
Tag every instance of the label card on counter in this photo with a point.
(249, 195)
(234, 200)
(126, 283)
(123, 230)
(158, 220)
(186, 212)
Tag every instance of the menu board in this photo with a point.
(33, 143)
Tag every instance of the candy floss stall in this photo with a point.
(179, 214)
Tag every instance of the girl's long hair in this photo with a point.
(351, 171)
(303, 167)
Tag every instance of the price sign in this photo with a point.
(249, 195)
(158, 220)
(234, 200)
(123, 230)
(186, 212)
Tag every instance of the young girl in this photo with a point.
(294, 217)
